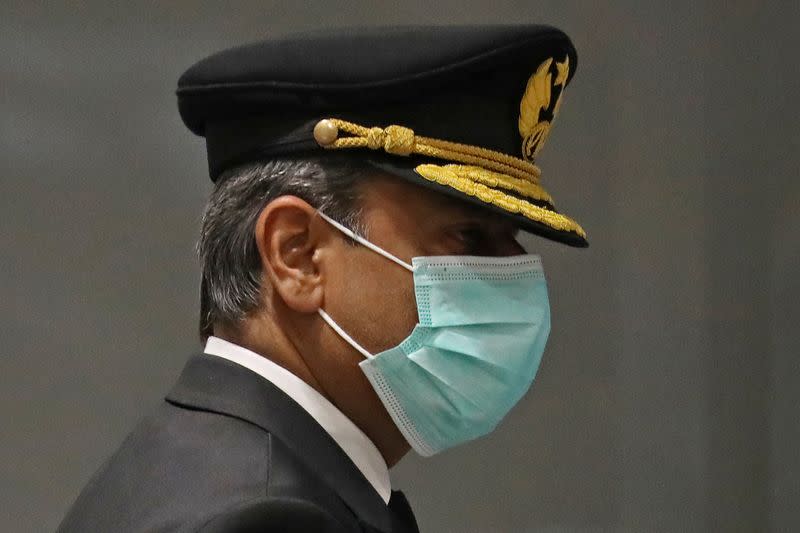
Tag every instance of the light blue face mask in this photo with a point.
(483, 325)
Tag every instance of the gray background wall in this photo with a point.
(668, 399)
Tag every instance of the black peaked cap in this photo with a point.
(397, 98)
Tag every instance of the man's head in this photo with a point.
(269, 262)
(422, 139)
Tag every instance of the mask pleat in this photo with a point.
(450, 371)
(448, 304)
(503, 347)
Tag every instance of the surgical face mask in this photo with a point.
(483, 325)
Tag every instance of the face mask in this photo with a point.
(483, 325)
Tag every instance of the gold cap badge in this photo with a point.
(538, 108)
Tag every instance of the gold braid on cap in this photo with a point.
(482, 170)
(399, 140)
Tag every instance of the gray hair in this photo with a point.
(231, 274)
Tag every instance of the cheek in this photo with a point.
(373, 300)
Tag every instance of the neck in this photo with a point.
(261, 334)
(262, 337)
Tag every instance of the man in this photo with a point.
(363, 291)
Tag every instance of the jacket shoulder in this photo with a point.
(180, 466)
(278, 515)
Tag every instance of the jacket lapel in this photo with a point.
(215, 384)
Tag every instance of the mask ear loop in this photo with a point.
(361, 240)
(343, 334)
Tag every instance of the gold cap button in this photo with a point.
(325, 132)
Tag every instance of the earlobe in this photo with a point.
(287, 241)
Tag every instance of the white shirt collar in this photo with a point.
(347, 435)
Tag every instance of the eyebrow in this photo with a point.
(489, 219)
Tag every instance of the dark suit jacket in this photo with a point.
(228, 451)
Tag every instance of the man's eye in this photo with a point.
(472, 240)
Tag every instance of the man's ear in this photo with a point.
(287, 234)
